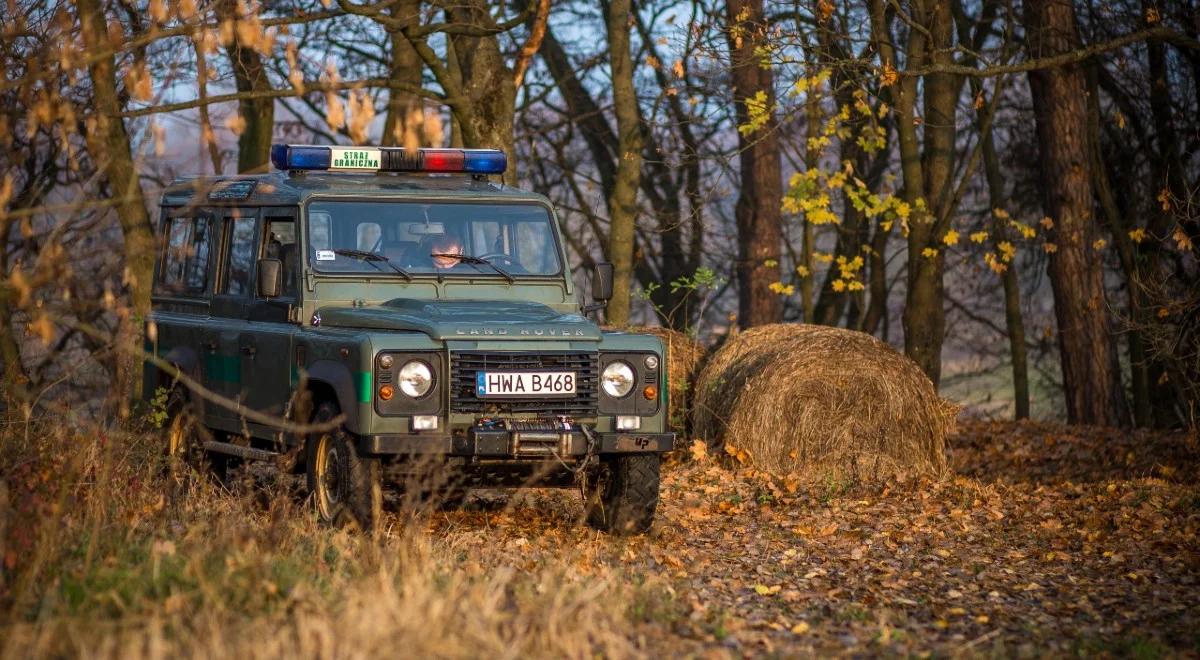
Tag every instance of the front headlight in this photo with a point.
(415, 379)
(617, 379)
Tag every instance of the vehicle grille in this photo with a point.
(464, 365)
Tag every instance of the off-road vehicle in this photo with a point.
(413, 313)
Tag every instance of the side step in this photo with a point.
(248, 453)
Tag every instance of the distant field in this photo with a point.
(1047, 540)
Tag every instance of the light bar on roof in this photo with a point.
(387, 159)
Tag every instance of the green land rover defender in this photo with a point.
(367, 312)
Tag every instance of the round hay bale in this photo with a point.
(683, 357)
(818, 401)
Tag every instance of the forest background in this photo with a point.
(1006, 190)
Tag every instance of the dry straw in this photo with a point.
(821, 402)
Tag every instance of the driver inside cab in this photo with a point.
(445, 250)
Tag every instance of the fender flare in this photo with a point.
(337, 376)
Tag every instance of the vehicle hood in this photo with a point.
(464, 319)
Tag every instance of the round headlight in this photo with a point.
(415, 379)
(617, 379)
(385, 361)
(652, 362)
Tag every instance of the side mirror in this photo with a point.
(270, 274)
(602, 282)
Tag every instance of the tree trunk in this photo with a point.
(250, 75)
(108, 144)
(1013, 320)
(760, 233)
(924, 311)
(622, 201)
(404, 124)
(488, 85)
(1091, 382)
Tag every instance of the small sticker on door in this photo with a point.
(326, 255)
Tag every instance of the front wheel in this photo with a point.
(347, 488)
(624, 496)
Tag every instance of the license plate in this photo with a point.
(524, 383)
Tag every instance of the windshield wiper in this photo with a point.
(468, 259)
(373, 259)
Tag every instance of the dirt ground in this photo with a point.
(1048, 539)
(1044, 540)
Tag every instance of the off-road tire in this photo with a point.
(624, 494)
(347, 488)
(185, 440)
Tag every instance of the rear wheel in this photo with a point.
(346, 487)
(185, 437)
(624, 495)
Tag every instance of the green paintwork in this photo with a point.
(364, 314)
(461, 319)
(223, 367)
(364, 387)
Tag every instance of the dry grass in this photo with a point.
(815, 401)
(684, 355)
(108, 557)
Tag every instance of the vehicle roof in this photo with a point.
(293, 188)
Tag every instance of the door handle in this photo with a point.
(249, 350)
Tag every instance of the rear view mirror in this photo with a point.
(602, 282)
(270, 274)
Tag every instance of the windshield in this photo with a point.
(444, 238)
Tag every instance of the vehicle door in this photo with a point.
(222, 343)
(268, 373)
(181, 285)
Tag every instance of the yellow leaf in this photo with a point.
(698, 450)
(888, 76)
(801, 628)
(979, 237)
(1047, 223)
(929, 252)
(1138, 235)
(677, 68)
(1050, 248)
(1182, 240)
(1164, 198)
(951, 238)
(839, 286)
(802, 270)
(762, 590)
(1099, 244)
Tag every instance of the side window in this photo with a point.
(240, 263)
(185, 259)
(281, 245)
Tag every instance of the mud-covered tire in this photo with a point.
(624, 494)
(346, 488)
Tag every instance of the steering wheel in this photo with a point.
(504, 258)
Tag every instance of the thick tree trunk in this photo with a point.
(622, 201)
(108, 144)
(1091, 381)
(758, 210)
(924, 311)
(250, 75)
(404, 124)
(486, 121)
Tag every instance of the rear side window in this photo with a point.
(187, 249)
(240, 263)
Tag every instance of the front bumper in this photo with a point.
(515, 444)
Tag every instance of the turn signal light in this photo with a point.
(386, 392)
(650, 392)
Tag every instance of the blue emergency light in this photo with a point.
(387, 159)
